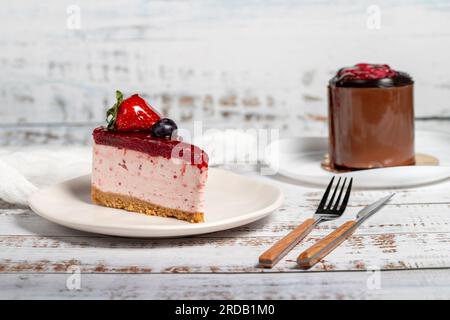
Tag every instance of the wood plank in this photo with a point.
(69, 133)
(46, 134)
(418, 284)
(408, 218)
(199, 59)
(203, 254)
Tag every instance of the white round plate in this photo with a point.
(231, 201)
(300, 158)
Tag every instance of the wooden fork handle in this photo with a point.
(323, 247)
(271, 257)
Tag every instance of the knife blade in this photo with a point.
(372, 208)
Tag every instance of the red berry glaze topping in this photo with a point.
(146, 143)
(131, 114)
(365, 71)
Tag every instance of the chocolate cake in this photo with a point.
(371, 118)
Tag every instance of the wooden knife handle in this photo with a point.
(323, 247)
(271, 257)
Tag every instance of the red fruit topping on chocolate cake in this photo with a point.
(363, 71)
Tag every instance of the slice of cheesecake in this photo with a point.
(138, 165)
(137, 172)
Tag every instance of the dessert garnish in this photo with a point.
(363, 71)
(368, 75)
(164, 128)
(131, 114)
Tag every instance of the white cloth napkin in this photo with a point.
(23, 170)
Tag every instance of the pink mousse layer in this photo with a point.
(165, 182)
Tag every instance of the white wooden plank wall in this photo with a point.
(229, 63)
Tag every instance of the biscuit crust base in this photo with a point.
(119, 201)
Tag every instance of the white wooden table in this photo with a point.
(211, 60)
(401, 252)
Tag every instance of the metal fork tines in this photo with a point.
(327, 210)
(334, 209)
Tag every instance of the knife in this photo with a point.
(322, 248)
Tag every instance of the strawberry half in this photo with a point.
(131, 114)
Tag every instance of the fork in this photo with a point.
(324, 212)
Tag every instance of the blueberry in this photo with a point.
(164, 128)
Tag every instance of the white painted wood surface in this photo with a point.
(230, 64)
(258, 63)
(411, 235)
(80, 133)
(421, 284)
